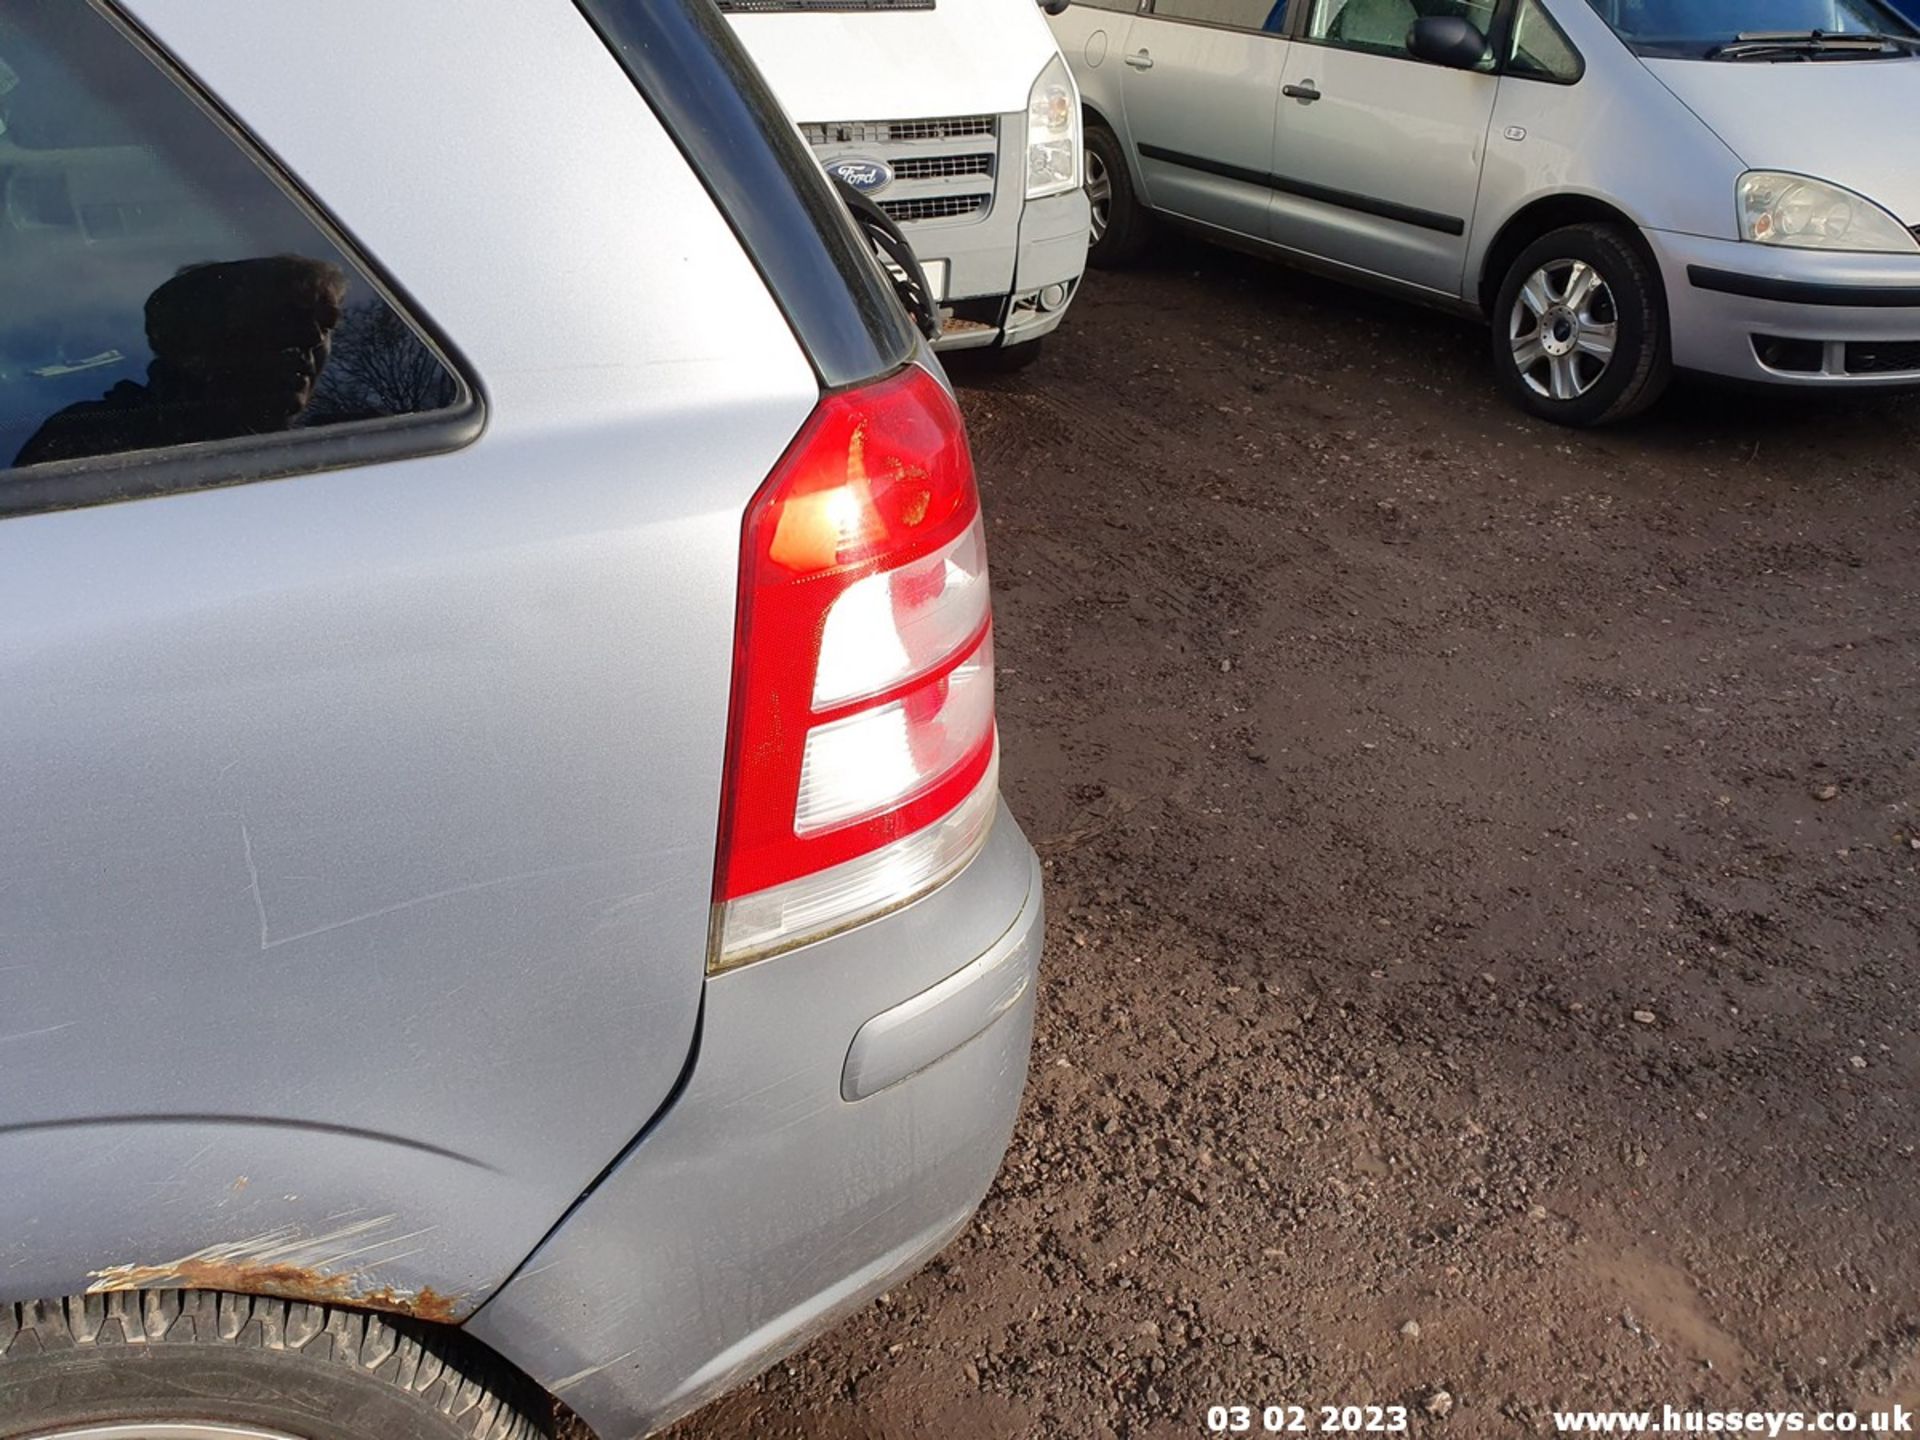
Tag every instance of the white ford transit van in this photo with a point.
(959, 118)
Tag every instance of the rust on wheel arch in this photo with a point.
(290, 1266)
(284, 1282)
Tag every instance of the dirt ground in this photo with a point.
(1483, 868)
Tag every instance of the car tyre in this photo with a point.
(1580, 327)
(193, 1361)
(1121, 224)
(1010, 359)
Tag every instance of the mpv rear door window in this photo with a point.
(161, 292)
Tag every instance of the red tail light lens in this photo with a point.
(860, 768)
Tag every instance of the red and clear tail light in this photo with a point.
(861, 761)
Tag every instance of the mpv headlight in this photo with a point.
(1806, 214)
(1053, 132)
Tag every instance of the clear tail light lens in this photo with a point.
(892, 625)
(861, 760)
(873, 761)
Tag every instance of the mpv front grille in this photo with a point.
(942, 169)
(1882, 357)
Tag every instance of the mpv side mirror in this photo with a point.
(1055, 7)
(1447, 40)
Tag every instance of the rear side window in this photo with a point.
(159, 290)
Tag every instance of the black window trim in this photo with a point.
(1150, 9)
(217, 464)
(696, 77)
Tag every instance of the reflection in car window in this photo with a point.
(1699, 29)
(1541, 50)
(1259, 15)
(1381, 26)
(157, 287)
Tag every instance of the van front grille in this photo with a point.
(887, 132)
(939, 207)
(942, 167)
(943, 170)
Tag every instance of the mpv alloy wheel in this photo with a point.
(1563, 329)
(1118, 232)
(1580, 326)
(1099, 194)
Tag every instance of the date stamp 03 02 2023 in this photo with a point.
(1307, 1419)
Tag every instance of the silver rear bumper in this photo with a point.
(765, 1204)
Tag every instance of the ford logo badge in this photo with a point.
(866, 176)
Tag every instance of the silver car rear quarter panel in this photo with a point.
(764, 1205)
(358, 828)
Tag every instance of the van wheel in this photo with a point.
(1120, 223)
(1009, 359)
(1580, 328)
(194, 1365)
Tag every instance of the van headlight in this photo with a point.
(1792, 210)
(1053, 132)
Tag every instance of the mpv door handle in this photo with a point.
(1140, 60)
(1304, 92)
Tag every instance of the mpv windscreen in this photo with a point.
(1760, 29)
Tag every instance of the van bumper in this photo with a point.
(1809, 318)
(849, 1105)
(1011, 275)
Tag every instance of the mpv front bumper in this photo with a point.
(765, 1203)
(1791, 317)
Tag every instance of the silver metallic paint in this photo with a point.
(358, 836)
(1661, 143)
(763, 1205)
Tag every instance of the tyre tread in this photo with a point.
(1129, 223)
(484, 1398)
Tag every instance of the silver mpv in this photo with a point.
(1622, 187)
(503, 890)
